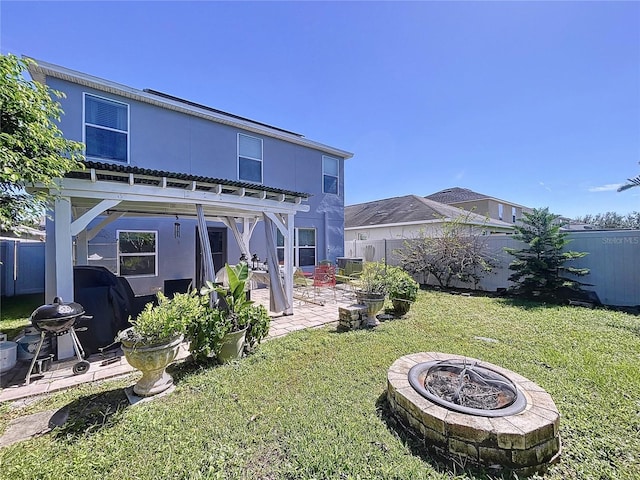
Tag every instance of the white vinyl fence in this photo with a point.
(613, 260)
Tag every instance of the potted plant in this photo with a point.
(372, 290)
(152, 343)
(232, 316)
(403, 290)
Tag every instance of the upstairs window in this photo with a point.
(330, 174)
(249, 158)
(137, 253)
(106, 129)
(500, 211)
(513, 214)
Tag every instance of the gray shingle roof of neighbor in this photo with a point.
(410, 208)
(457, 195)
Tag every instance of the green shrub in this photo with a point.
(401, 285)
(160, 323)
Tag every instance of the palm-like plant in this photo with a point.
(634, 182)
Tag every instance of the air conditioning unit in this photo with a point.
(349, 266)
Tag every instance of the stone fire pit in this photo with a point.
(525, 442)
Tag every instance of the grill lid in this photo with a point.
(58, 310)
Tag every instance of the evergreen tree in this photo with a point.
(539, 269)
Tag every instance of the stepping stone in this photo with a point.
(34, 425)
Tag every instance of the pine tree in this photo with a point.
(539, 269)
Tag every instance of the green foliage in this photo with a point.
(258, 323)
(157, 324)
(205, 332)
(539, 268)
(233, 312)
(401, 285)
(373, 278)
(458, 252)
(32, 148)
(233, 299)
(611, 220)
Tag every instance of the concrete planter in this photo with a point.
(401, 306)
(152, 361)
(232, 346)
(374, 303)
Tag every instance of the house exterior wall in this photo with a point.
(390, 232)
(163, 139)
(490, 208)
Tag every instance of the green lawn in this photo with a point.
(311, 404)
(15, 312)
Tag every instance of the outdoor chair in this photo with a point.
(324, 276)
(303, 287)
(348, 283)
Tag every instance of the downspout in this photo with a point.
(326, 236)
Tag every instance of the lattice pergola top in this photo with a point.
(143, 191)
(145, 176)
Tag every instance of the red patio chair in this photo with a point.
(324, 276)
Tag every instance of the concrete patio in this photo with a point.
(308, 313)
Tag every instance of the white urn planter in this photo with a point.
(374, 303)
(152, 361)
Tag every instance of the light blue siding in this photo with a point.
(163, 139)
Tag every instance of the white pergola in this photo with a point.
(114, 191)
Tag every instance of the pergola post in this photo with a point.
(61, 281)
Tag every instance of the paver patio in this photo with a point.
(60, 376)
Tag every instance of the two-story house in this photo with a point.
(164, 175)
(481, 204)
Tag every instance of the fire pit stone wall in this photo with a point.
(524, 443)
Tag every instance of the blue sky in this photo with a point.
(536, 103)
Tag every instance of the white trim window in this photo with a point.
(304, 247)
(137, 253)
(330, 174)
(106, 129)
(249, 158)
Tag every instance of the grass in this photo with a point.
(311, 404)
(15, 312)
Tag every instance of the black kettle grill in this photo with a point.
(58, 318)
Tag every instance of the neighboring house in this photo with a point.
(408, 216)
(480, 203)
(160, 170)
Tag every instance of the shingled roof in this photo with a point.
(454, 195)
(407, 209)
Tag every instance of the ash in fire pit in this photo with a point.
(467, 387)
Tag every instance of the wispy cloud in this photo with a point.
(610, 187)
(460, 174)
(543, 185)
